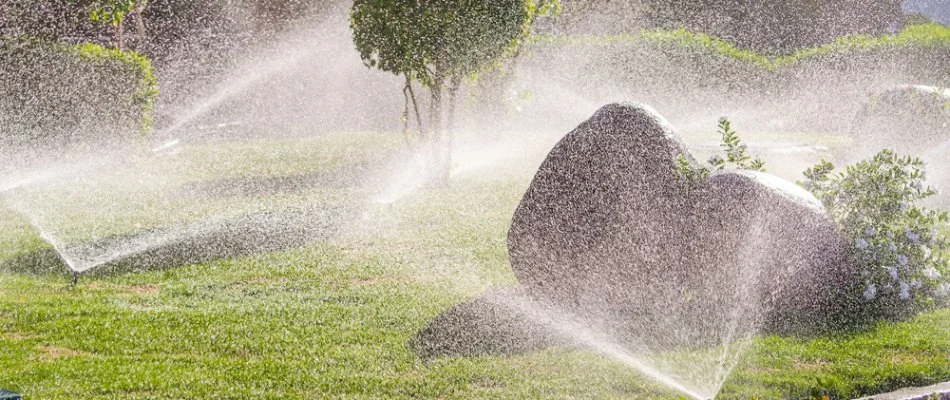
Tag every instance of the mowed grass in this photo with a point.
(332, 319)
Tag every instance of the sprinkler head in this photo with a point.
(8, 395)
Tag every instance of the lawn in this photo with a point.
(332, 318)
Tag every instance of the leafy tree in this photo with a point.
(114, 12)
(439, 43)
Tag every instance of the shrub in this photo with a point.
(898, 246)
(896, 243)
(52, 91)
(734, 157)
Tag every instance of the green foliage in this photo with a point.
(703, 43)
(440, 43)
(897, 243)
(931, 35)
(734, 150)
(924, 36)
(678, 38)
(735, 157)
(111, 12)
(55, 90)
(434, 40)
(713, 67)
(689, 174)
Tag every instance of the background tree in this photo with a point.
(438, 43)
(114, 12)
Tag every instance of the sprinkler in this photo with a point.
(72, 283)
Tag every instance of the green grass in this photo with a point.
(332, 319)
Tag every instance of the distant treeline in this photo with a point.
(165, 23)
(774, 26)
(819, 88)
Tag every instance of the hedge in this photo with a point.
(678, 70)
(54, 91)
(928, 37)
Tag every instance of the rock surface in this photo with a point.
(768, 248)
(608, 234)
(604, 215)
(606, 228)
(495, 323)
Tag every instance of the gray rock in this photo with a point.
(768, 248)
(607, 236)
(604, 216)
(607, 230)
(495, 323)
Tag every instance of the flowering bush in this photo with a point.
(897, 244)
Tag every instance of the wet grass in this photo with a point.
(333, 319)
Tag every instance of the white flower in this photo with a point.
(926, 251)
(870, 231)
(932, 273)
(914, 237)
(893, 272)
(915, 283)
(861, 243)
(942, 290)
(892, 247)
(905, 291)
(903, 205)
(917, 184)
(870, 292)
(902, 260)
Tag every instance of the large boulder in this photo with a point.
(608, 230)
(604, 216)
(766, 248)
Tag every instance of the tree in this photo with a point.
(439, 43)
(113, 12)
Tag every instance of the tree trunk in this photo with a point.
(140, 26)
(405, 112)
(449, 131)
(440, 169)
(415, 107)
(120, 34)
